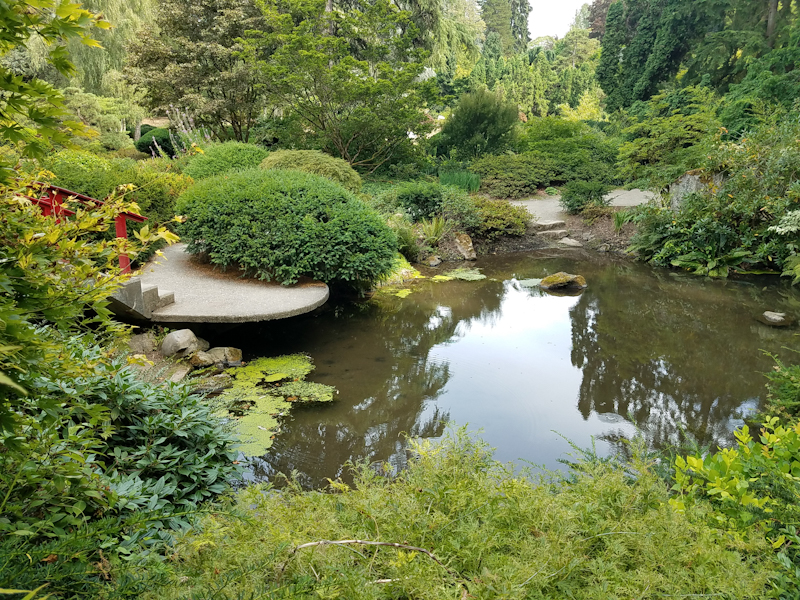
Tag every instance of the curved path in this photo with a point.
(206, 295)
(549, 209)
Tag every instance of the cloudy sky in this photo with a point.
(552, 17)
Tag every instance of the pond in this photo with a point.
(641, 349)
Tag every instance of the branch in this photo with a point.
(427, 553)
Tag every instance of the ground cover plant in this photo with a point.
(318, 163)
(282, 225)
(216, 159)
(469, 526)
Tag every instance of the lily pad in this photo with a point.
(261, 394)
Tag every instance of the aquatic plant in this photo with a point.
(259, 396)
(465, 274)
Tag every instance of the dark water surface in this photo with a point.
(640, 348)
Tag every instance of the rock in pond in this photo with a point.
(570, 243)
(433, 261)
(224, 355)
(563, 282)
(776, 319)
(465, 248)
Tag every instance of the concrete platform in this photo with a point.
(549, 209)
(206, 295)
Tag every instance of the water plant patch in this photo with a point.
(259, 394)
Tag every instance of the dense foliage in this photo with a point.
(216, 159)
(481, 123)
(514, 175)
(486, 531)
(283, 225)
(735, 225)
(153, 190)
(498, 218)
(318, 163)
(578, 195)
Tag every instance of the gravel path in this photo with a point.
(548, 208)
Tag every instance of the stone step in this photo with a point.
(553, 234)
(165, 299)
(547, 225)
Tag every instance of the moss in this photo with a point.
(259, 396)
(563, 280)
(466, 274)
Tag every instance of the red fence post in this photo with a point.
(122, 232)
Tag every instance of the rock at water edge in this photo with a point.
(433, 261)
(570, 243)
(464, 245)
(776, 319)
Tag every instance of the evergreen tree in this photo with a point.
(497, 15)
(520, 10)
(609, 71)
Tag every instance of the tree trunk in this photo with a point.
(138, 133)
(772, 22)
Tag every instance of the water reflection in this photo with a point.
(639, 349)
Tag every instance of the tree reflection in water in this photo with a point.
(669, 353)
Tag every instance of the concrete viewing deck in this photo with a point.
(203, 294)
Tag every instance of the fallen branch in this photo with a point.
(370, 543)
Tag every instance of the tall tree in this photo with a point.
(352, 77)
(497, 15)
(192, 60)
(520, 11)
(609, 70)
(598, 12)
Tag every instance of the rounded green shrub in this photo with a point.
(282, 225)
(318, 163)
(579, 195)
(161, 137)
(421, 199)
(221, 158)
(514, 175)
(499, 218)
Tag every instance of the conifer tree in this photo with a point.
(497, 16)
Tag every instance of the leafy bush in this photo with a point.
(459, 208)
(578, 195)
(465, 180)
(421, 199)
(434, 229)
(481, 123)
(498, 218)
(514, 176)
(497, 534)
(155, 189)
(283, 225)
(406, 237)
(216, 159)
(551, 191)
(732, 226)
(318, 163)
(154, 139)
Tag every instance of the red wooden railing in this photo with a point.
(51, 199)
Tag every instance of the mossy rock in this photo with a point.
(563, 282)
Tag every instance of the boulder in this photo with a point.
(692, 183)
(182, 342)
(776, 319)
(547, 225)
(570, 243)
(143, 343)
(224, 355)
(563, 281)
(604, 248)
(201, 359)
(464, 246)
(433, 261)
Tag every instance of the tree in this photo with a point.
(352, 77)
(497, 14)
(481, 123)
(520, 10)
(609, 71)
(192, 59)
(32, 112)
(598, 11)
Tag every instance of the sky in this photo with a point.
(552, 17)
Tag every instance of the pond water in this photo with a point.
(640, 349)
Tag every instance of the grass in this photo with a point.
(457, 524)
(463, 179)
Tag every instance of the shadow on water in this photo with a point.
(639, 349)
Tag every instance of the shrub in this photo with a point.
(421, 199)
(434, 229)
(578, 195)
(465, 180)
(318, 163)
(514, 176)
(481, 123)
(551, 191)
(156, 137)
(217, 159)
(283, 225)
(499, 217)
(459, 208)
(406, 237)
(155, 189)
